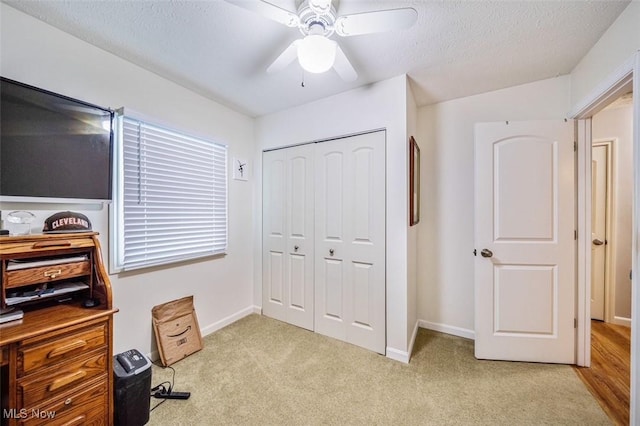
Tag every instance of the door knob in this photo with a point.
(486, 253)
(331, 252)
(295, 248)
(597, 242)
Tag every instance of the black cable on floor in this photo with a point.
(161, 388)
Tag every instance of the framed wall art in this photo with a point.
(414, 182)
(240, 168)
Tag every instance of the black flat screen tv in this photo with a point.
(53, 146)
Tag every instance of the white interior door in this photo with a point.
(599, 174)
(524, 225)
(350, 240)
(288, 217)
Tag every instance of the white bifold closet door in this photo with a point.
(287, 256)
(350, 240)
(345, 207)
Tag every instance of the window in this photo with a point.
(170, 197)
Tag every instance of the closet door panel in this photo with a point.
(330, 280)
(274, 235)
(330, 295)
(300, 218)
(332, 203)
(363, 290)
(334, 289)
(298, 189)
(276, 278)
(362, 163)
(350, 240)
(297, 269)
(365, 183)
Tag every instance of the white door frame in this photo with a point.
(617, 83)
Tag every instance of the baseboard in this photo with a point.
(404, 357)
(448, 329)
(622, 321)
(227, 320)
(413, 338)
(398, 355)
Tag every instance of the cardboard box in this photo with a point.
(176, 329)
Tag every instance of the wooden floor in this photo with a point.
(608, 376)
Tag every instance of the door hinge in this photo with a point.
(475, 252)
(575, 234)
(575, 323)
(575, 146)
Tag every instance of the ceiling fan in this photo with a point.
(317, 20)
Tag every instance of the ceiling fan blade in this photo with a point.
(285, 58)
(343, 67)
(376, 22)
(269, 10)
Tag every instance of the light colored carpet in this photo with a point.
(259, 371)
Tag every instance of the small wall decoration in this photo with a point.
(414, 182)
(240, 168)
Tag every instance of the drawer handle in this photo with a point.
(66, 348)
(77, 421)
(52, 273)
(42, 244)
(64, 381)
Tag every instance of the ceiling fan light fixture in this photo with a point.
(316, 53)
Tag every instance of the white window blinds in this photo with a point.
(172, 197)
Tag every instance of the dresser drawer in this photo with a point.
(44, 274)
(71, 375)
(87, 407)
(19, 245)
(34, 356)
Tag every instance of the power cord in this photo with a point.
(160, 389)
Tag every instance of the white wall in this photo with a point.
(38, 54)
(617, 124)
(412, 237)
(446, 236)
(377, 106)
(618, 44)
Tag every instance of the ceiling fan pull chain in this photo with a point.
(302, 84)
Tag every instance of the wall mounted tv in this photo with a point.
(53, 146)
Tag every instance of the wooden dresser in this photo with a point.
(57, 361)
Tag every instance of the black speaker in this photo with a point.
(131, 388)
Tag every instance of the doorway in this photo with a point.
(624, 79)
(612, 211)
(608, 377)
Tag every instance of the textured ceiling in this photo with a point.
(456, 48)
